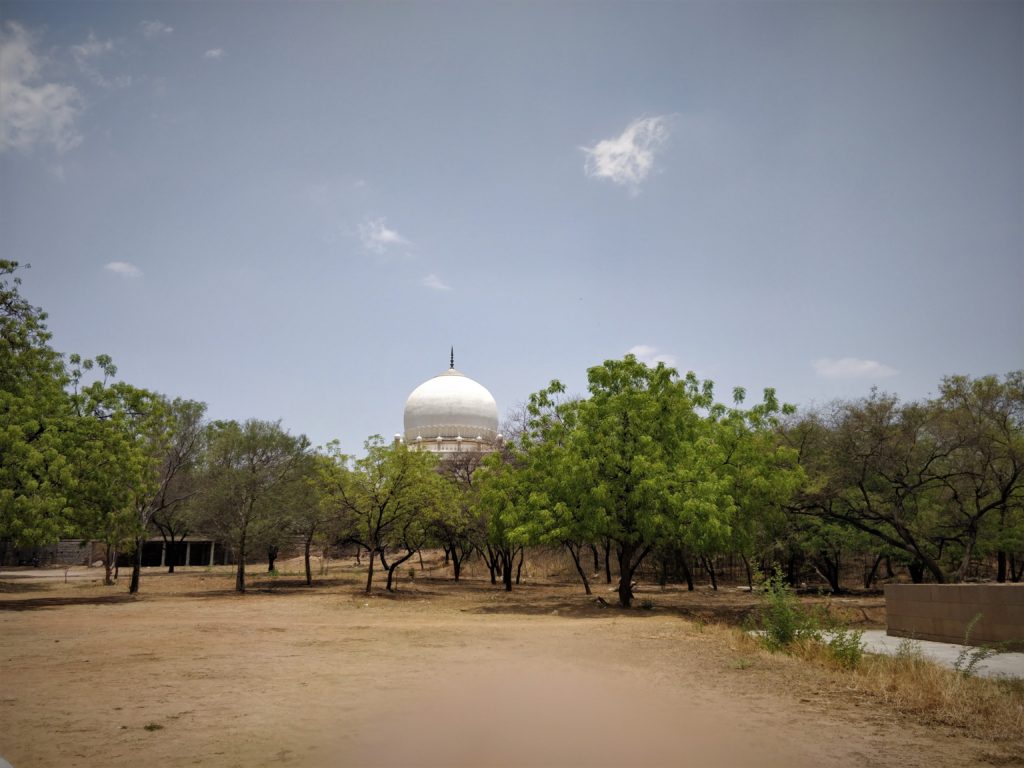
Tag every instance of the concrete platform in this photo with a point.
(1001, 665)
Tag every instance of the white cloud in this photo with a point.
(377, 237)
(123, 268)
(628, 158)
(436, 283)
(649, 355)
(214, 53)
(852, 368)
(86, 54)
(91, 48)
(155, 28)
(33, 112)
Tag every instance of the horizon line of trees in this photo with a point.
(648, 470)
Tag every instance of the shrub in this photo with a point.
(783, 620)
(846, 647)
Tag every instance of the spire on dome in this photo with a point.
(451, 363)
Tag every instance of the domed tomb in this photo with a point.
(451, 412)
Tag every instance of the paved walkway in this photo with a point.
(1000, 665)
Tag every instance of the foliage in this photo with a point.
(783, 620)
(969, 658)
(246, 463)
(846, 647)
(391, 497)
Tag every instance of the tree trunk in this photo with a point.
(491, 559)
(607, 561)
(597, 559)
(171, 553)
(869, 578)
(686, 572)
(394, 566)
(369, 571)
(579, 568)
(1015, 573)
(916, 569)
(309, 570)
(519, 567)
(506, 568)
(1001, 566)
(133, 586)
(456, 566)
(272, 551)
(240, 572)
(108, 566)
(710, 567)
(750, 574)
(626, 575)
(447, 556)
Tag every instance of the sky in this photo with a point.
(293, 210)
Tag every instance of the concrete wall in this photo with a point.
(943, 611)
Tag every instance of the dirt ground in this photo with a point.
(189, 673)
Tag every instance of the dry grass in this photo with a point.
(985, 708)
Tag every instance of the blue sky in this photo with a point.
(292, 210)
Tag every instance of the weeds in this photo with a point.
(968, 659)
(846, 647)
(909, 649)
(783, 620)
(789, 626)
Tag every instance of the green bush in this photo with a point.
(846, 647)
(783, 620)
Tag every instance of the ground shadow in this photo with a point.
(37, 603)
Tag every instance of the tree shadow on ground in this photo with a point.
(36, 603)
(17, 587)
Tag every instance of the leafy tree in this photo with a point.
(392, 495)
(307, 502)
(246, 463)
(175, 447)
(927, 481)
(36, 476)
(980, 424)
(109, 449)
(458, 527)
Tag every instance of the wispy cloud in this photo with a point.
(123, 268)
(214, 53)
(377, 237)
(434, 282)
(852, 368)
(154, 28)
(628, 158)
(33, 112)
(651, 356)
(88, 53)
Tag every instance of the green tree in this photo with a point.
(391, 496)
(980, 425)
(175, 444)
(109, 447)
(36, 476)
(246, 464)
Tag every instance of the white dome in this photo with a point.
(450, 405)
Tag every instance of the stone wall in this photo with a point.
(942, 612)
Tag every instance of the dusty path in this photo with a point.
(446, 676)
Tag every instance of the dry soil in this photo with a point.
(189, 673)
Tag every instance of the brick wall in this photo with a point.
(943, 611)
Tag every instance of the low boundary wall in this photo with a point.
(942, 612)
